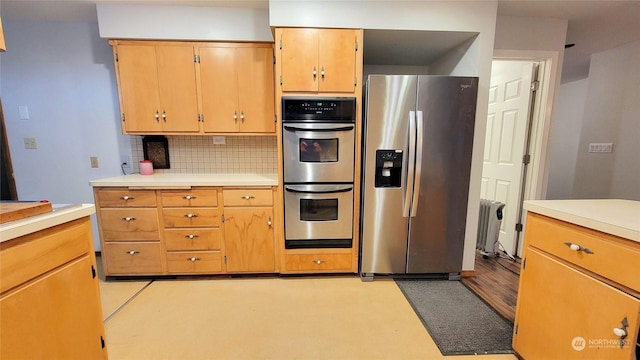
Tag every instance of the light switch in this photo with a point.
(24, 112)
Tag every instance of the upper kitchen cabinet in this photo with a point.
(236, 88)
(157, 87)
(318, 60)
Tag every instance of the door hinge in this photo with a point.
(526, 159)
(275, 118)
(280, 80)
(524, 263)
(222, 217)
(519, 227)
(116, 57)
(356, 44)
(516, 329)
(535, 85)
(355, 81)
(93, 272)
(280, 44)
(102, 341)
(274, 59)
(123, 118)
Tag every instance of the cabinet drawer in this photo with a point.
(191, 217)
(129, 224)
(192, 239)
(120, 197)
(611, 257)
(26, 257)
(132, 258)
(185, 198)
(248, 197)
(319, 263)
(184, 262)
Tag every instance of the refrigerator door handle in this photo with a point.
(408, 189)
(418, 166)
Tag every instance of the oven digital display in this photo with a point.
(318, 209)
(318, 110)
(318, 150)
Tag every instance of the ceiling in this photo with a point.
(594, 25)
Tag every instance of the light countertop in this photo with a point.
(173, 180)
(616, 217)
(60, 214)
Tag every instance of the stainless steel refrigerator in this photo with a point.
(417, 144)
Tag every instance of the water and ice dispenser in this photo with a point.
(388, 168)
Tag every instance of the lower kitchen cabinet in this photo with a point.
(249, 244)
(50, 300)
(318, 262)
(570, 306)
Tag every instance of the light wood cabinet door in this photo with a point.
(249, 244)
(237, 93)
(157, 88)
(321, 60)
(564, 313)
(138, 80)
(177, 88)
(57, 316)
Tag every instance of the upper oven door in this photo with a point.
(318, 152)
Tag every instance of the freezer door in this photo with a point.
(446, 116)
(389, 102)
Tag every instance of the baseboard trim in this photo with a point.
(467, 273)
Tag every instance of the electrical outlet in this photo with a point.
(94, 161)
(30, 143)
(218, 140)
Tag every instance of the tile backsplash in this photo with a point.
(199, 155)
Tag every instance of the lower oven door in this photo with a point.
(318, 152)
(318, 216)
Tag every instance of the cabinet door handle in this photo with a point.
(127, 197)
(188, 197)
(269, 222)
(318, 261)
(235, 117)
(128, 218)
(133, 252)
(322, 73)
(314, 73)
(193, 259)
(190, 215)
(621, 332)
(164, 116)
(576, 247)
(157, 116)
(248, 197)
(191, 236)
(242, 116)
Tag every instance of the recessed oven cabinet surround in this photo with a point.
(579, 291)
(188, 224)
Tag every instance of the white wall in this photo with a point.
(565, 137)
(120, 21)
(611, 116)
(64, 74)
(471, 16)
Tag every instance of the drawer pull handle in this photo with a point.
(193, 259)
(269, 221)
(191, 236)
(576, 247)
(127, 197)
(188, 197)
(133, 252)
(248, 197)
(128, 218)
(318, 261)
(190, 215)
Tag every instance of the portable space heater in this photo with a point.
(489, 226)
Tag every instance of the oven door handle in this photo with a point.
(337, 189)
(342, 128)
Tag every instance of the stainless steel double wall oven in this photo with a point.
(318, 136)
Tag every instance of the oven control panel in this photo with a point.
(335, 109)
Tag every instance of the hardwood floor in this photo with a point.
(496, 282)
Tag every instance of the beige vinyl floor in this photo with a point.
(333, 317)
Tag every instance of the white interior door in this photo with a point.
(507, 124)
